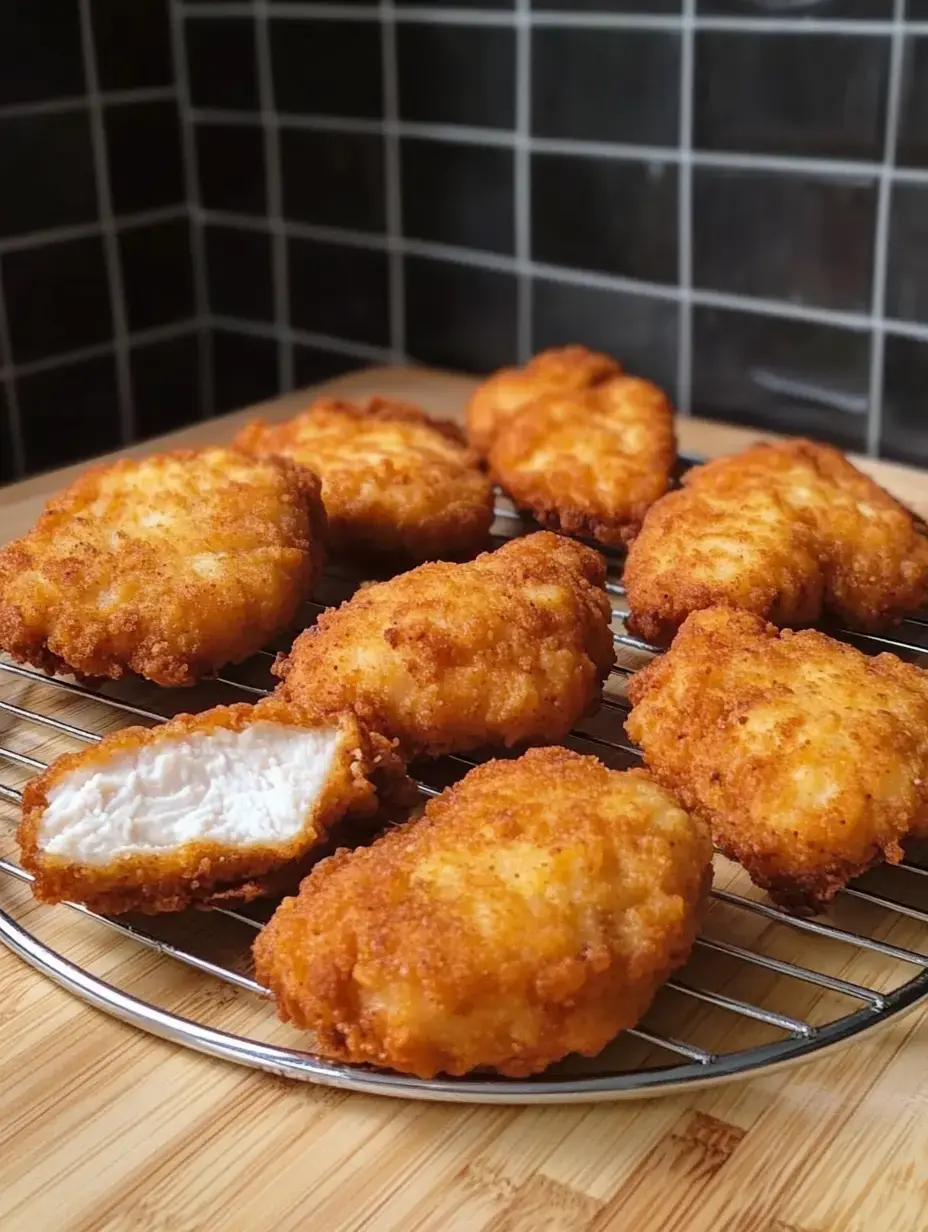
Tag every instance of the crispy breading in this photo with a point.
(394, 479)
(101, 827)
(567, 370)
(510, 647)
(170, 566)
(590, 463)
(791, 532)
(533, 911)
(808, 759)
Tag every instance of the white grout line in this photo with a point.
(274, 193)
(322, 342)
(192, 187)
(882, 230)
(14, 418)
(158, 333)
(60, 235)
(78, 102)
(108, 228)
(393, 182)
(522, 182)
(685, 211)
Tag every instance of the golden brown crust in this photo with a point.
(791, 532)
(511, 647)
(206, 871)
(169, 567)
(592, 463)
(394, 479)
(533, 911)
(560, 370)
(808, 760)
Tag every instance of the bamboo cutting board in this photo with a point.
(105, 1129)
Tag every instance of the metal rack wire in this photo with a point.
(675, 1061)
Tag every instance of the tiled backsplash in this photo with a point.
(728, 194)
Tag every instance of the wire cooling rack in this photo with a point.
(762, 989)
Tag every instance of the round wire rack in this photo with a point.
(763, 989)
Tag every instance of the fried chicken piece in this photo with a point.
(560, 370)
(512, 647)
(212, 806)
(808, 759)
(394, 480)
(169, 567)
(589, 463)
(533, 911)
(790, 531)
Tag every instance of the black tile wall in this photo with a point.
(132, 43)
(459, 316)
(312, 365)
(166, 382)
(245, 370)
(46, 172)
(238, 271)
(800, 238)
(327, 67)
(912, 149)
(853, 10)
(642, 7)
(605, 214)
(904, 433)
(157, 273)
(907, 270)
(222, 62)
(230, 161)
(458, 194)
(333, 179)
(7, 460)
(457, 74)
(144, 156)
(40, 52)
(339, 290)
(613, 85)
(69, 413)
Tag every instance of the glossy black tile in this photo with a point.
(222, 62)
(457, 74)
(806, 94)
(606, 85)
(239, 273)
(639, 330)
(40, 51)
(7, 461)
(333, 179)
(459, 4)
(327, 67)
(245, 370)
(605, 214)
(646, 8)
(907, 266)
(786, 376)
(818, 10)
(312, 365)
(917, 10)
(132, 43)
(157, 273)
(46, 173)
(69, 413)
(788, 237)
(144, 156)
(339, 290)
(904, 434)
(912, 148)
(165, 385)
(459, 316)
(230, 162)
(57, 298)
(458, 194)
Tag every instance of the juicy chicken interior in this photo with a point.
(225, 804)
(511, 647)
(169, 567)
(791, 532)
(807, 758)
(533, 911)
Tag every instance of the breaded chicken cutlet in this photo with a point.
(589, 463)
(808, 760)
(394, 480)
(204, 808)
(169, 567)
(791, 532)
(533, 911)
(512, 647)
(560, 370)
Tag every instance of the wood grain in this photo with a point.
(104, 1129)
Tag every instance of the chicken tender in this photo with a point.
(207, 806)
(394, 480)
(561, 370)
(533, 911)
(808, 759)
(512, 647)
(790, 531)
(168, 567)
(591, 463)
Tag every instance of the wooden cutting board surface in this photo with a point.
(105, 1129)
